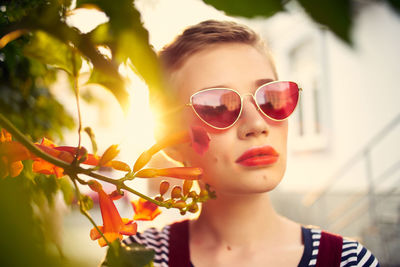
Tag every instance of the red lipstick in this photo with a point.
(258, 156)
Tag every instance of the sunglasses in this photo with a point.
(220, 108)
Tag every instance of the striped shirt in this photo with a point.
(353, 253)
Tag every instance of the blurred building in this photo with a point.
(343, 155)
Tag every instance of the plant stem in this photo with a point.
(127, 188)
(97, 176)
(76, 90)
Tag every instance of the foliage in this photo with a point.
(24, 94)
(248, 9)
(26, 100)
(22, 238)
(335, 14)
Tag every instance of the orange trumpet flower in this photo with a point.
(67, 154)
(145, 210)
(113, 225)
(42, 166)
(11, 154)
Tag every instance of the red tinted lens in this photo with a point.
(218, 107)
(278, 99)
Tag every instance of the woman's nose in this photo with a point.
(251, 122)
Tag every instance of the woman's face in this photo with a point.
(243, 68)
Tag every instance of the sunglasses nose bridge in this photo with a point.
(247, 94)
(252, 98)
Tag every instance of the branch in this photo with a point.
(96, 175)
(127, 188)
(31, 146)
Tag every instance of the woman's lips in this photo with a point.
(257, 156)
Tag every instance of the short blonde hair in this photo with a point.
(203, 34)
(192, 40)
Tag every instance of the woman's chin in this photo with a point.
(253, 188)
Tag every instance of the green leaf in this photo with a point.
(395, 4)
(112, 83)
(334, 14)
(144, 61)
(127, 39)
(132, 255)
(51, 51)
(248, 9)
(101, 34)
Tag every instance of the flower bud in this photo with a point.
(164, 185)
(120, 166)
(193, 207)
(180, 204)
(187, 185)
(143, 159)
(159, 198)
(109, 155)
(95, 186)
(203, 193)
(192, 194)
(115, 195)
(176, 192)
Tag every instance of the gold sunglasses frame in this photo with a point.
(241, 103)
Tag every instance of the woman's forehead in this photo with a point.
(223, 65)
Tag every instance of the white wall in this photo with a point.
(361, 96)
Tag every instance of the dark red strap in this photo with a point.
(179, 255)
(330, 250)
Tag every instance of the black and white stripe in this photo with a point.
(315, 237)
(353, 253)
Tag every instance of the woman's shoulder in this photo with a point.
(352, 252)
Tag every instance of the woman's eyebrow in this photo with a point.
(211, 87)
(260, 82)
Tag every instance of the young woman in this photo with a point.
(224, 71)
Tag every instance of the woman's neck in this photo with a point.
(234, 220)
